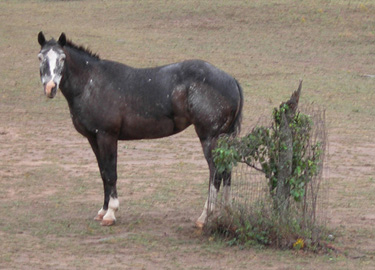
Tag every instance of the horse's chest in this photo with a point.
(81, 119)
(80, 125)
(90, 119)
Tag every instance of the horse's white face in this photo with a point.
(51, 66)
(51, 63)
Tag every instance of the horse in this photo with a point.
(110, 101)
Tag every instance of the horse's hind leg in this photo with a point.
(214, 182)
(227, 195)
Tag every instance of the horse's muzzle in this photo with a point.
(50, 89)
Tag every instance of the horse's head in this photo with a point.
(52, 60)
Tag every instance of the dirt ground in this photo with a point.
(49, 180)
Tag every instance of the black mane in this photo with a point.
(86, 50)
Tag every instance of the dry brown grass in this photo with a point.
(48, 176)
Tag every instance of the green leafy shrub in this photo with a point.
(290, 155)
(260, 149)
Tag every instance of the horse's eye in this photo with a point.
(40, 56)
(62, 58)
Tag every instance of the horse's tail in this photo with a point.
(235, 128)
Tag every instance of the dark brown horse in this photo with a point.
(109, 101)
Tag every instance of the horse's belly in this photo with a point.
(138, 128)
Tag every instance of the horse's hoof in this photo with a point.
(107, 222)
(99, 217)
(199, 225)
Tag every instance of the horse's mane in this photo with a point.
(82, 49)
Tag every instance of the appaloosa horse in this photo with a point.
(109, 101)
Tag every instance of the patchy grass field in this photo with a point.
(49, 181)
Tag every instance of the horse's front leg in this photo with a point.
(105, 149)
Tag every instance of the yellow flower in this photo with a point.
(299, 244)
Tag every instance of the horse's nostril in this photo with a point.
(49, 86)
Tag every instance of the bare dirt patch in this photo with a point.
(49, 179)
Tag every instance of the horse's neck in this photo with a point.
(75, 76)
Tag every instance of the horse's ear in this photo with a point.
(62, 40)
(41, 39)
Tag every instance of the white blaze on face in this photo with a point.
(52, 59)
(55, 62)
